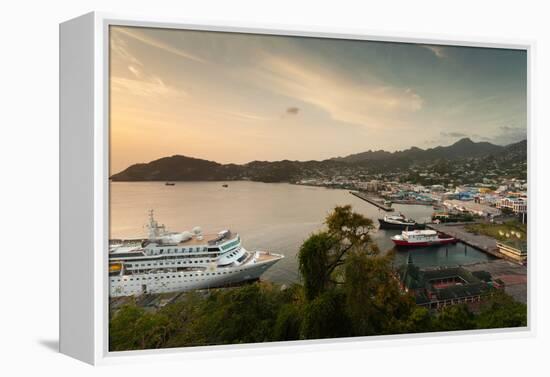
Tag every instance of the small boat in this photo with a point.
(169, 184)
(225, 185)
(416, 238)
(399, 222)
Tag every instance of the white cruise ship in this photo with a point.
(174, 262)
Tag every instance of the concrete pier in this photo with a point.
(477, 241)
(373, 201)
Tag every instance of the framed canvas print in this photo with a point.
(234, 188)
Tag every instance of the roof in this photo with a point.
(458, 291)
(420, 283)
(443, 273)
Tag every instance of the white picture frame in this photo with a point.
(84, 190)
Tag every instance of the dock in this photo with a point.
(477, 241)
(373, 201)
(414, 202)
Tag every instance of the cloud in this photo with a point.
(118, 46)
(293, 110)
(453, 134)
(151, 86)
(140, 82)
(151, 41)
(243, 115)
(509, 134)
(504, 135)
(481, 138)
(343, 98)
(136, 72)
(438, 51)
(508, 129)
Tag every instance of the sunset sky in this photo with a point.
(237, 98)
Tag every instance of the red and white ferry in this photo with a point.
(421, 238)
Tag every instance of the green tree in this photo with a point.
(456, 317)
(322, 253)
(181, 315)
(123, 332)
(288, 323)
(420, 320)
(315, 263)
(374, 301)
(134, 328)
(326, 317)
(502, 311)
(239, 315)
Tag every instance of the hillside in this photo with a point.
(465, 153)
(462, 148)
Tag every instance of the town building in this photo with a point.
(438, 288)
(515, 249)
(479, 209)
(373, 186)
(517, 205)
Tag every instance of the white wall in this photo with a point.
(29, 158)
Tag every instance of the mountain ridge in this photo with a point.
(185, 168)
(455, 150)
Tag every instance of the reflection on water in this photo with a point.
(268, 216)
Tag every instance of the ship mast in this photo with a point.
(153, 226)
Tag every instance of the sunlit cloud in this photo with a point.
(153, 87)
(136, 72)
(119, 50)
(245, 115)
(151, 41)
(342, 98)
(438, 51)
(509, 134)
(454, 135)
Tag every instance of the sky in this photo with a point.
(236, 98)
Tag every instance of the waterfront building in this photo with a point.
(437, 188)
(472, 207)
(438, 288)
(518, 205)
(465, 195)
(515, 249)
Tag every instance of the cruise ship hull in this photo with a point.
(164, 282)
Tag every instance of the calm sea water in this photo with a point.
(269, 216)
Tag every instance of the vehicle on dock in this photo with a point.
(169, 184)
(399, 222)
(417, 238)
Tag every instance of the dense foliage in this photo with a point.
(347, 289)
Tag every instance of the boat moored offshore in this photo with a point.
(173, 262)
